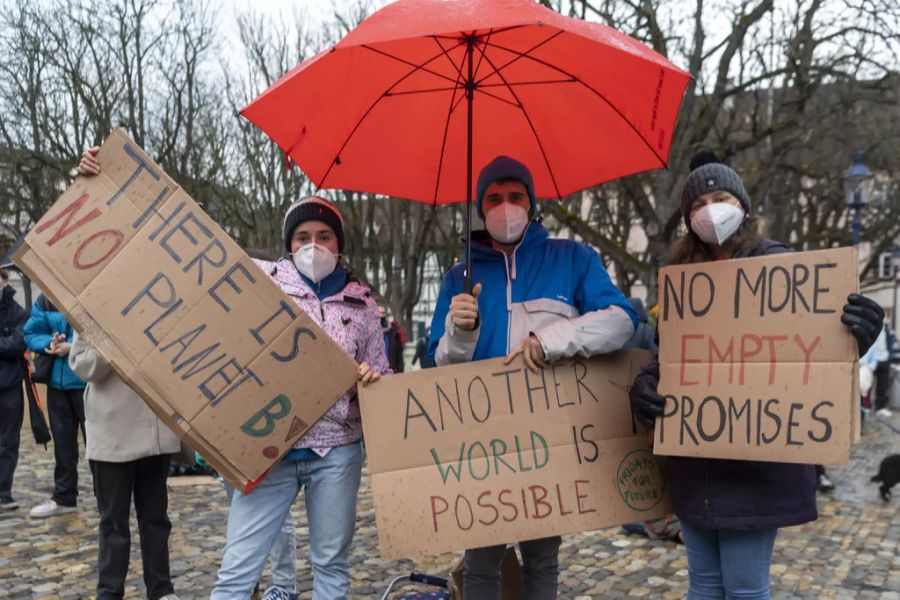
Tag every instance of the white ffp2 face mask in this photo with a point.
(315, 262)
(715, 223)
(506, 223)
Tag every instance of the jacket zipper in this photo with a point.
(508, 303)
(509, 279)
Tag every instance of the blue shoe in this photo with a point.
(635, 528)
(276, 592)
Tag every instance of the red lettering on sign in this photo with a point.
(68, 213)
(581, 509)
(117, 236)
(807, 351)
(435, 512)
(746, 351)
(715, 356)
(685, 360)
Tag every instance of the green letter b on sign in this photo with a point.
(263, 423)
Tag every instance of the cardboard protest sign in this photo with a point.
(754, 361)
(485, 453)
(220, 353)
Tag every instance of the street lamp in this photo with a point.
(858, 182)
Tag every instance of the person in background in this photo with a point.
(12, 399)
(421, 356)
(394, 340)
(47, 331)
(129, 450)
(868, 363)
(882, 359)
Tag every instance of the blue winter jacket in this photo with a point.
(39, 329)
(548, 287)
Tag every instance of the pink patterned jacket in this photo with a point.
(351, 319)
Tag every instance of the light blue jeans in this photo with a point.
(331, 485)
(283, 557)
(727, 564)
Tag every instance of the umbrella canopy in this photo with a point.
(424, 90)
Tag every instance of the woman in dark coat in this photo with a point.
(731, 510)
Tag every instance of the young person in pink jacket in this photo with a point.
(327, 461)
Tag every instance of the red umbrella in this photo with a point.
(422, 90)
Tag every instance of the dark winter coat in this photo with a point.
(740, 494)
(12, 341)
(393, 343)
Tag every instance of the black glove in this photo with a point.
(646, 403)
(865, 318)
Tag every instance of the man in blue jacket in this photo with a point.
(47, 331)
(541, 298)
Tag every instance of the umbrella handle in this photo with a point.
(470, 96)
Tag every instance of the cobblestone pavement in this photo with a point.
(850, 552)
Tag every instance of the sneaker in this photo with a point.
(276, 592)
(8, 503)
(825, 484)
(49, 508)
(635, 528)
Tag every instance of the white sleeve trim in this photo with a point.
(456, 345)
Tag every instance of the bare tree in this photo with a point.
(763, 87)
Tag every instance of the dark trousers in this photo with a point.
(882, 385)
(66, 411)
(540, 570)
(114, 486)
(12, 411)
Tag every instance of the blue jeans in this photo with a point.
(331, 485)
(283, 557)
(727, 564)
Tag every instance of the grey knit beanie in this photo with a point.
(709, 174)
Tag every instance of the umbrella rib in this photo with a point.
(422, 91)
(586, 86)
(458, 69)
(458, 101)
(519, 55)
(451, 108)
(412, 64)
(521, 83)
(481, 58)
(379, 99)
(530, 124)
(500, 30)
(496, 97)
